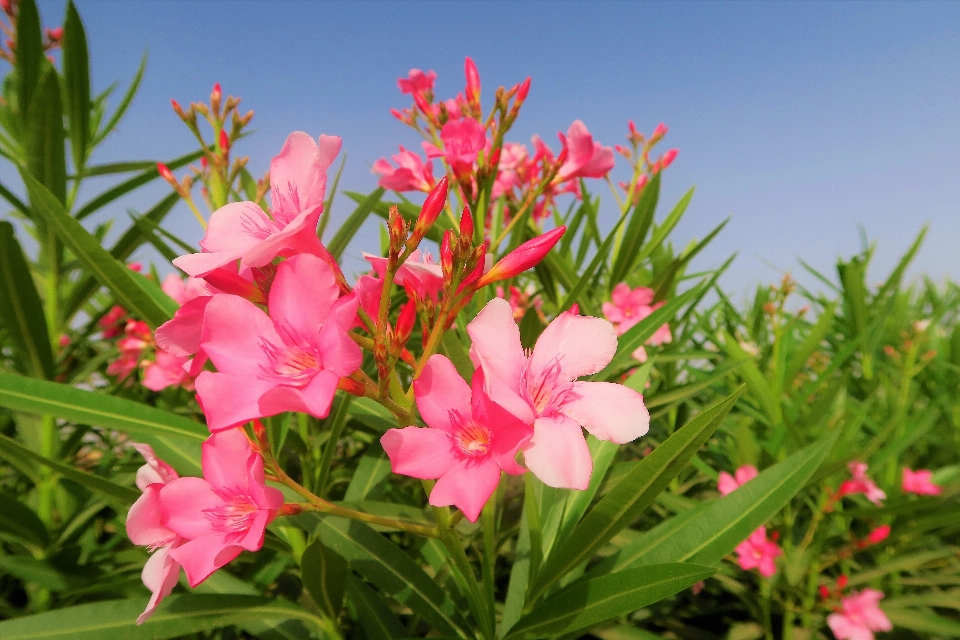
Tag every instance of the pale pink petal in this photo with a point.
(467, 486)
(420, 452)
(495, 338)
(201, 557)
(232, 231)
(165, 371)
(558, 454)
(145, 520)
(231, 399)
(185, 504)
(338, 352)
(582, 345)
(441, 391)
(233, 331)
(298, 317)
(159, 575)
(609, 411)
(329, 148)
(746, 473)
(295, 177)
(225, 459)
(156, 470)
(368, 289)
(300, 236)
(726, 483)
(173, 286)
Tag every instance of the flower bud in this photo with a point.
(246, 118)
(178, 109)
(879, 534)
(406, 321)
(165, 173)
(658, 133)
(230, 282)
(842, 581)
(432, 206)
(824, 591)
(522, 93)
(55, 34)
(466, 224)
(215, 97)
(446, 254)
(397, 228)
(667, 159)
(224, 142)
(473, 82)
(527, 255)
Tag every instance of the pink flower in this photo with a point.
(468, 441)
(183, 291)
(861, 484)
(110, 322)
(541, 389)
(527, 255)
(167, 370)
(222, 513)
(586, 158)
(242, 231)
(630, 306)
(919, 482)
(289, 361)
(416, 82)
(860, 615)
(144, 528)
(136, 339)
(879, 534)
(418, 271)
(521, 300)
(411, 173)
(727, 483)
(757, 552)
(463, 140)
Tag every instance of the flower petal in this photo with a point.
(180, 336)
(338, 352)
(609, 411)
(225, 458)
(420, 452)
(558, 453)
(467, 486)
(231, 399)
(160, 575)
(145, 520)
(296, 316)
(203, 556)
(495, 339)
(184, 505)
(439, 391)
(582, 345)
(233, 332)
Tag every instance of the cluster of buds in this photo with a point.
(638, 155)
(216, 171)
(9, 10)
(910, 355)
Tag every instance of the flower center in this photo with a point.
(294, 365)
(474, 439)
(295, 362)
(236, 515)
(545, 389)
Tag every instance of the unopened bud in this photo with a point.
(446, 254)
(879, 534)
(55, 34)
(231, 103)
(6, 7)
(397, 227)
(667, 159)
(224, 142)
(200, 108)
(246, 118)
(842, 581)
(178, 109)
(824, 591)
(351, 386)
(432, 206)
(466, 224)
(215, 97)
(406, 321)
(658, 133)
(527, 255)
(473, 82)
(165, 173)
(522, 93)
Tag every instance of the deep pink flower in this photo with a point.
(513, 161)
(411, 174)
(243, 231)
(144, 528)
(416, 82)
(418, 271)
(630, 306)
(727, 483)
(879, 534)
(111, 322)
(860, 615)
(468, 441)
(861, 484)
(289, 361)
(463, 140)
(757, 552)
(167, 370)
(136, 339)
(183, 291)
(585, 158)
(919, 482)
(222, 513)
(541, 389)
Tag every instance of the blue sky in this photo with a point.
(800, 120)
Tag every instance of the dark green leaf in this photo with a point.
(76, 77)
(636, 232)
(19, 520)
(44, 137)
(323, 574)
(124, 105)
(30, 57)
(352, 224)
(376, 618)
(370, 477)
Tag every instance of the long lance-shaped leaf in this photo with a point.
(113, 492)
(586, 277)
(323, 573)
(121, 250)
(176, 439)
(17, 203)
(622, 504)
(123, 106)
(44, 138)
(798, 359)
(725, 523)
(375, 617)
(148, 175)
(105, 268)
(177, 616)
(923, 621)
(640, 220)
(76, 81)
(663, 283)
(393, 571)
(352, 224)
(641, 332)
(21, 309)
(29, 53)
(591, 602)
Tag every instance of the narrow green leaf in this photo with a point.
(370, 477)
(110, 272)
(662, 231)
(591, 602)
(30, 56)
(924, 622)
(44, 137)
(76, 81)
(328, 205)
(896, 276)
(663, 283)
(114, 492)
(451, 345)
(756, 383)
(17, 519)
(177, 616)
(641, 218)
(393, 571)
(20, 308)
(798, 359)
(375, 617)
(678, 394)
(352, 224)
(176, 439)
(323, 573)
(727, 522)
(112, 168)
(17, 203)
(123, 106)
(585, 278)
(622, 504)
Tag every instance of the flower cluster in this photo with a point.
(855, 616)
(629, 306)
(756, 552)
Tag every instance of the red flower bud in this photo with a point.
(432, 206)
(446, 254)
(6, 7)
(824, 591)
(473, 81)
(230, 282)
(466, 223)
(217, 93)
(668, 158)
(55, 34)
(659, 132)
(879, 534)
(406, 321)
(522, 93)
(164, 172)
(523, 257)
(842, 581)
(224, 142)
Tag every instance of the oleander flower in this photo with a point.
(919, 482)
(860, 615)
(757, 552)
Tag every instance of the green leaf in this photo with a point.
(725, 523)
(39, 572)
(663, 283)
(758, 385)
(352, 224)
(17, 203)
(21, 309)
(591, 602)
(323, 574)
(44, 137)
(177, 440)
(451, 345)
(393, 572)
(678, 394)
(640, 220)
(30, 56)
(375, 617)
(112, 168)
(798, 359)
(124, 105)
(586, 278)
(925, 622)
(17, 519)
(110, 272)
(177, 616)
(76, 77)
(115, 493)
(370, 477)
(622, 504)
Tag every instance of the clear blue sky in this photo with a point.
(799, 119)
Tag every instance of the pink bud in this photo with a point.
(55, 34)
(473, 81)
(164, 172)
(659, 132)
(527, 255)
(668, 158)
(522, 92)
(135, 266)
(406, 320)
(204, 162)
(217, 93)
(466, 223)
(230, 282)
(824, 591)
(842, 581)
(433, 205)
(64, 340)
(879, 534)
(6, 7)
(224, 142)
(446, 253)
